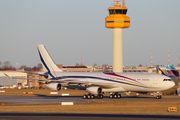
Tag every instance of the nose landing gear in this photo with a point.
(158, 95)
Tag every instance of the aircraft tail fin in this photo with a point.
(47, 62)
(159, 71)
(169, 73)
(173, 70)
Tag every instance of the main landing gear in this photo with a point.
(91, 96)
(115, 96)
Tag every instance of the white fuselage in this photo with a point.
(138, 82)
(109, 82)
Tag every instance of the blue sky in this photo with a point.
(73, 28)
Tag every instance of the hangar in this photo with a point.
(12, 82)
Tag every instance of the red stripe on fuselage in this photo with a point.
(114, 74)
(71, 80)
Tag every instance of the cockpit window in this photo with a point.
(167, 80)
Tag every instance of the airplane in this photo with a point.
(99, 83)
(159, 71)
(171, 71)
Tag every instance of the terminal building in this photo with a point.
(12, 82)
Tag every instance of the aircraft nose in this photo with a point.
(172, 84)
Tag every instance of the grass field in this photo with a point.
(110, 106)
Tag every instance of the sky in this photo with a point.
(70, 29)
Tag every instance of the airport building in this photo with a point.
(8, 82)
(75, 68)
(146, 69)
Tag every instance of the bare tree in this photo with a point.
(39, 66)
(23, 67)
(34, 68)
(103, 65)
(77, 64)
(94, 65)
(7, 64)
(140, 65)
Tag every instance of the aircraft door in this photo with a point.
(155, 80)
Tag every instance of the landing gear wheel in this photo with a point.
(111, 96)
(119, 96)
(84, 96)
(100, 96)
(158, 97)
(115, 96)
(92, 96)
(88, 96)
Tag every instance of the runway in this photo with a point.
(59, 99)
(81, 116)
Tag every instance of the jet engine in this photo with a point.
(53, 86)
(94, 90)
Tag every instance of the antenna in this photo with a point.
(123, 3)
(119, 5)
(151, 61)
(168, 56)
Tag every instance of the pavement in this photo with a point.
(59, 99)
(82, 116)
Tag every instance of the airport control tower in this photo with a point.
(117, 20)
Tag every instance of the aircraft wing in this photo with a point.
(41, 73)
(46, 80)
(103, 85)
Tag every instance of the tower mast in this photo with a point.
(117, 20)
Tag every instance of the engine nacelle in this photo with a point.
(94, 90)
(53, 86)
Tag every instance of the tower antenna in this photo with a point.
(151, 61)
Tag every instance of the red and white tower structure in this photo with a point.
(151, 61)
(168, 56)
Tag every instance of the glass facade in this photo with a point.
(118, 11)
